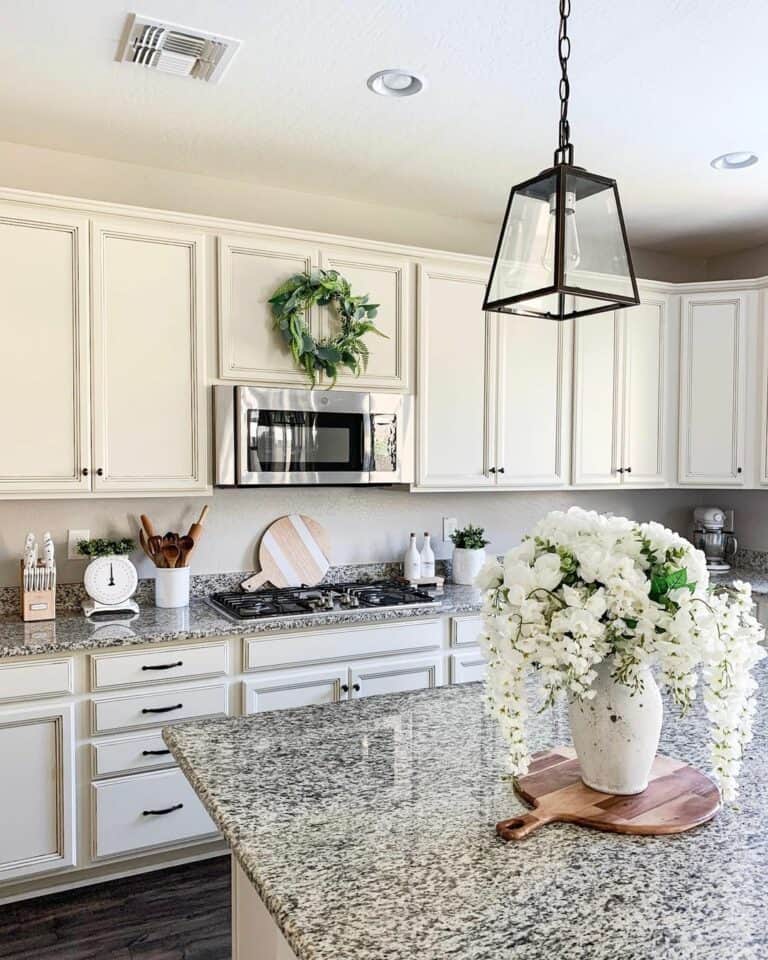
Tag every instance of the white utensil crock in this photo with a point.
(467, 564)
(172, 587)
(616, 734)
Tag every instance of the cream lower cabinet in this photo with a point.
(713, 388)
(37, 809)
(622, 396)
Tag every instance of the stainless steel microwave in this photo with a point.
(266, 436)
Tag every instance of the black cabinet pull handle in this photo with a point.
(161, 813)
(344, 688)
(176, 706)
(356, 687)
(163, 666)
(155, 753)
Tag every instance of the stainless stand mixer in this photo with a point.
(713, 533)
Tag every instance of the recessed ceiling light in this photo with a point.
(737, 160)
(395, 83)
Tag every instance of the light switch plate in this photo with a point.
(449, 527)
(73, 538)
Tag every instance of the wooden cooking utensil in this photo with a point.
(147, 524)
(145, 544)
(156, 550)
(186, 546)
(196, 529)
(294, 550)
(171, 554)
(677, 798)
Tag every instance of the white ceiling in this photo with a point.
(659, 87)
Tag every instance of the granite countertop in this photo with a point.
(71, 631)
(367, 828)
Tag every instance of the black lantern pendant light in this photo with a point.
(563, 248)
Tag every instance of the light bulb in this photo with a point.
(572, 245)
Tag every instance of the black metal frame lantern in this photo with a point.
(563, 249)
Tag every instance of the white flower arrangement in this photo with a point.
(582, 588)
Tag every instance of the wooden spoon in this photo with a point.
(145, 545)
(156, 550)
(147, 524)
(186, 546)
(171, 554)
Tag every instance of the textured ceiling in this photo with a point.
(659, 88)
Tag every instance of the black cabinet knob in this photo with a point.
(492, 470)
(344, 688)
(100, 472)
(85, 471)
(501, 469)
(620, 470)
(629, 469)
(738, 469)
(356, 687)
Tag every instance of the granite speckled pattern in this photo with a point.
(72, 631)
(367, 829)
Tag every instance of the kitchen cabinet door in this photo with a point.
(386, 279)
(288, 689)
(597, 400)
(250, 270)
(455, 430)
(468, 667)
(533, 406)
(37, 819)
(646, 374)
(149, 404)
(367, 679)
(713, 374)
(44, 385)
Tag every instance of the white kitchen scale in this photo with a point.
(110, 583)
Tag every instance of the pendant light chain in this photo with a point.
(564, 152)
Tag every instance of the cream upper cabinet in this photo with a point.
(713, 388)
(455, 377)
(149, 404)
(387, 281)
(597, 400)
(533, 402)
(37, 829)
(250, 270)
(44, 386)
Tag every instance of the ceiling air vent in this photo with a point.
(170, 48)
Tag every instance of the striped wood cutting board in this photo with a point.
(294, 550)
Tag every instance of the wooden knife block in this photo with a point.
(36, 604)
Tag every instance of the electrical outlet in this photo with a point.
(449, 527)
(73, 538)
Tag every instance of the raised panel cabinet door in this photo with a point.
(250, 270)
(286, 690)
(597, 400)
(713, 343)
(44, 365)
(37, 826)
(645, 379)
(456, 400)
(149, 404)
(394, 676)
(534, 357)
(386, 280)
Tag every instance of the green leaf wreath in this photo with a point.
(302, 291)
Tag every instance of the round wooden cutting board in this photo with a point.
(294, 552)
(678, 798)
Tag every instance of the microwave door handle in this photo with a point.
(368, 444)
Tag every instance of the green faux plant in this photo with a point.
(291, 301)
(105, 548)
(469, 538)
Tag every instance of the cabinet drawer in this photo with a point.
(38, 678)
(468, 667)
(342, 643)
(147, 709)
(146, 810)
(128, 754)
(158, 666)
(465, 631)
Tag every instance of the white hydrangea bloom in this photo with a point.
(583, 588)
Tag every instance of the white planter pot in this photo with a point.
(172, 587)
(467, 564)
(616, 734)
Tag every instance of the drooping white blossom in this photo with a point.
(583, 588)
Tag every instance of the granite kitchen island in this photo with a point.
(365, 831)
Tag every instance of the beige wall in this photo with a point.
(742, 265)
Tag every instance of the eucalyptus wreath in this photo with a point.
(296, 296)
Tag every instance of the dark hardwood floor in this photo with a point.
(176, 914)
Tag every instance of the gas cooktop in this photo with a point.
(327, 598)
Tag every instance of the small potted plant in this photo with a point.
(468, 553)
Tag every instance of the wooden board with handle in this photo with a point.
(294, 551)
(678, 798)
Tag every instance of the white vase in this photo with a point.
(172, 587)
(467, 564)
(616, 734)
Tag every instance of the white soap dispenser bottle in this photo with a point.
(427, 558)
(412, 561)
